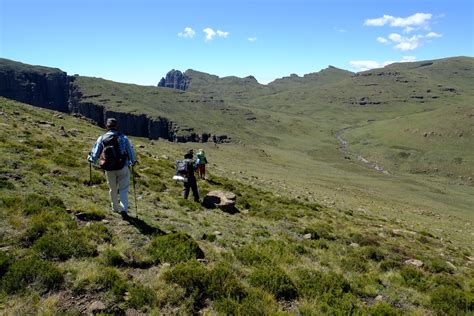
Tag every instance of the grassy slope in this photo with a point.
(291, 146)
(258, 261)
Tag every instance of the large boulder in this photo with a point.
(225, 201)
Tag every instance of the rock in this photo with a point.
(225, 201)
(355, 245)
(378, 298)
(175, 79)
(415, 262)
(307, 236)
(96, 307)
(452, 266)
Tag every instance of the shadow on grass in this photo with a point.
(142, 226)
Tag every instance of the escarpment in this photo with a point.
(53, 89)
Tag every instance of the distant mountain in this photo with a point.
(328, 75)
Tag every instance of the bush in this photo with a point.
(5, 184)
(438, 265)
(223, 283)
(413, 277)
(248, 255)
(63, 245)
(452, 301)
(34, 203)
(320, 231)
(193, 278)
(373, 253)
(383, 309)
(256, 302)
(175, 248)
(140, 296)
(390, 264)
(274, 280)
(112, 257)
(364, 240)
(111, 280)
(313, 283)
(33, 273)
(5, 262)
(355, 263)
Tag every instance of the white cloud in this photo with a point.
(252, 39)
(340, 30)
(210, 34)
(417, 22)
(363, 65)
(433, 34)
(394, 37)
(222, 33)
(187, 33)
(417, 19)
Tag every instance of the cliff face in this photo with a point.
(46, 90)
(53, 89)
(175, 79)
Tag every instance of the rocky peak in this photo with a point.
(175, 79)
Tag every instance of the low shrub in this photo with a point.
(413, 277)
(355, 263)
(175, 248)
(373, 253)
(5, 262)
(112, 257)
(274, 280)
(256, 302)
(390, 264)
(193, 277)
(7, 185)
(32, 273)
(140, 296)
(438, 265)
(320, 231)
(364, 240)
(111, 280)
(223, 283)
(62, 245)
(383, 309)
(313, 283)
(248, 255)
(34, 203)
(448, 300)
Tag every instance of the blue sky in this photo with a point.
(138, 41)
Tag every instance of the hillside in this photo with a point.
(62, 250)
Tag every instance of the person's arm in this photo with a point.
(130, 152)
(96, 150)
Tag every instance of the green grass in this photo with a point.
(363, 225)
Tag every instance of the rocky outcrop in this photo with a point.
(175, 79)
(48, 90)
(53, 89)
(225, 201)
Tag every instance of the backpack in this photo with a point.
(111, 158)
(201, 158)
(184, 168)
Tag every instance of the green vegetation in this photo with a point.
(315, 233)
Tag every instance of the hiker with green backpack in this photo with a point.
(185, 170)
(115, 155)
(201, 162)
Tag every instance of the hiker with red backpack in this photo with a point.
(115, 154)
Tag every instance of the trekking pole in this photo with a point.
(90, 178)
(134, 192)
